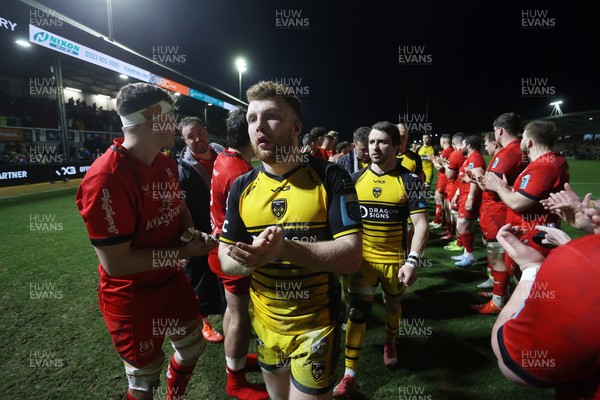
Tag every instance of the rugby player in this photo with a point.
(230, 164)
(131, 204)
(469, 198)
(426, 152)
(292, 223)
(509, 162)
(442, 213)
(451, 168)
(546, 173)
(547, 334)
(388, 193)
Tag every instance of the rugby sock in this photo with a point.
(459, 241)
(355, 336)
(238, 386)
(500, 282)
(178, 377)
(130, 396)
(467, 239)
(438, 214)
(392, 322)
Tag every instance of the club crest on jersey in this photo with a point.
(279, 207)
(524, 182)
(317, 370)
(376, 192)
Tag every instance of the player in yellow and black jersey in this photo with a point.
(426, 152)
(293, 223)
(388, 194)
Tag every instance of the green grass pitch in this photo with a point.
(55, 344)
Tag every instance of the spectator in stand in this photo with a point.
(83, 154)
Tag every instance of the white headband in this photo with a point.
(138, 117)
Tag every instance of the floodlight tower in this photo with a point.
(556, 110)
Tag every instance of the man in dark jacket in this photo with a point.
(195, 171)
(358, 157)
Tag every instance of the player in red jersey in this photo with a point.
(131, 204)
(510, 162)
(441, 216)
(546, 173)
(319, 133)
(492, 148)
(451, 167)
(230, 164)
(547, 334)
(469, 198)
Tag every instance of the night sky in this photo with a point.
(471, 62)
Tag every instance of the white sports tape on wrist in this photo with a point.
(529, 274)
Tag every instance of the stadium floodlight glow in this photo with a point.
(556, 109)
(123, 76)
(103, 96)
(240, 63)
(209, 104)
(22, 43)
(177, 94)
(72, 89)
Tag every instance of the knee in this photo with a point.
(191, 345)
(359, 310)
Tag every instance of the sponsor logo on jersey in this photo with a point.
(319, 348)
(281, 189)
(524, 182)
(317, 370)
(377, 192)
(496, 161)
(279, 207)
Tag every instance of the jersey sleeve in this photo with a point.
(538, 182)
(418, 165)
(234, 230)
(415, 193)
(455, 161)
(552, 339)
(344, 210)
(108, 210)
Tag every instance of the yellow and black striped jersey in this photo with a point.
(424, 152)
(314, 202)
(411, 161)
(386, 201)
